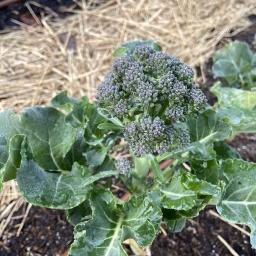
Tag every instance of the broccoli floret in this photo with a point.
(124, 166)
(150, 92)
(152, 136)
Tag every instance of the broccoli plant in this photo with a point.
(235, 65)
(150, 135)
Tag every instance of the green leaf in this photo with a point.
(113, 222)
(96, 157)
(109, 127)
(79, 214)
(235, 63)
(105, 113)
(225, 151)
(207, 128)
(237, 106)
(128, 47)
(9, 128)
(176, 226)
(238, 201)
(156, 169)
(59, 190)
(186, 191)
(142, 166)
(209, 171)
(14, 158)
(64, 102)
(49, 137)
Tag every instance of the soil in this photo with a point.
(47, 233)
(17, 10)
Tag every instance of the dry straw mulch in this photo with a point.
(75, 53)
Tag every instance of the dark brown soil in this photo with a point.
(45, 233)
(18, 11)
(200, 238)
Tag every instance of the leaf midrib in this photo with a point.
(115, 235)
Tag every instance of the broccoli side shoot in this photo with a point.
(151, 92)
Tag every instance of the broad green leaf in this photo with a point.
(176, 226)
(79, 214)
(225, 151)
(235, 63)
(63, 101)
(204, 130)
(174, 220)
(77, 117)
(9, 127)
(185, 191)
(237, 106)
(156, 169)
(49, 137)
(14, 158)
(96, 157)
(209, 171)
(238, 201)
(113, 222)
(59, 190)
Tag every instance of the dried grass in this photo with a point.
(74, 54)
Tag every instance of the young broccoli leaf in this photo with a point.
(64, 102)
(237, 106)
(59, 190)
(204, 130)
(113, 222)
(186, 191)
(96, 157)
(50, 137)
(79, 214)
(238, 201)
(176, 226)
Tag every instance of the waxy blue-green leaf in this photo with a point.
(237, 106)
(235, 63)
(238, 201)
(50, 137)
(204, 130)
(113, 222)
(96, 157)
(64, 102)
(80, 213)
(9, 144)
(9, 169)
(183, 192)
(59, 190)
(175, 226)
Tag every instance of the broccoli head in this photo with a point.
(151, 92)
